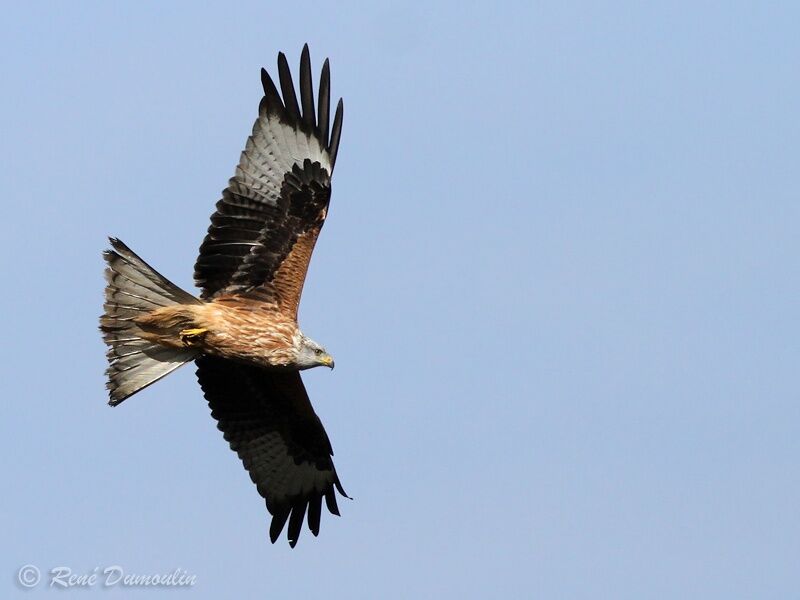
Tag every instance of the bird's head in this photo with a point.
(310, 354)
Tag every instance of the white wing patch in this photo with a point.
(271, 151)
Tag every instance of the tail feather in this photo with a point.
(134, 289)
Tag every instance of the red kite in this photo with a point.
(242, 332)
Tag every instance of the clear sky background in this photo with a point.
(559, 278)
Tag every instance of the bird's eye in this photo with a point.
(318, 351)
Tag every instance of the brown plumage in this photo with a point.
(235, 327)
(243, 331)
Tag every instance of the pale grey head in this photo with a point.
(310, 354)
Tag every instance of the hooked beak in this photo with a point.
(327, 361)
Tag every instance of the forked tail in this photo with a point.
(134, 289)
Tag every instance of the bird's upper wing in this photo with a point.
(267, 222)
(268, 420)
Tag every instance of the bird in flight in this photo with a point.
(242, 332)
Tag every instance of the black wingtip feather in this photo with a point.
(314, 513)
(307, 90)
(278, 521)
(330, 501)
(336, 133)
(341, 489)
(271, 94)
(287, 87)
(324, 103)
(296, 522)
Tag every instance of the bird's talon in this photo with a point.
(192, 337)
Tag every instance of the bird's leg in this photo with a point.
(193, 337)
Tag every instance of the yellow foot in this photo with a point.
(192, 337)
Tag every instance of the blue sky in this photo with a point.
(559, 277)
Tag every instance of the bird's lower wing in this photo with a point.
(267, 418)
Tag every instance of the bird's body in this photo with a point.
(242, 331)
(231, 327)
